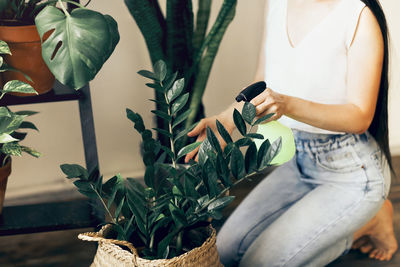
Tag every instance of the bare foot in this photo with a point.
(377, 236)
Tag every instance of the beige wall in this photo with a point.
(118, 86)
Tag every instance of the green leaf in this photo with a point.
(262, 155)
(138, 208)
(114, 189)
(202, 201)
(6, 138)
(239, 122)
(163, 245)
(162, 115)
(223, 132)
(190, 188)
(213, 140)
(119, 208)
(4, 112)
(9, 124)
(223, 170)
(149, 175)
(75, 171)
(243, 142)
(28, 125)
(204, 150)
(178, 216)
(255, 136)
(26, 112)
(216, 214)
(181, 118)
(156, 87)
(16, 86)
(12, 148)
(187, 149)
(176, 90)
(210, 178)
(264, 118)
(179, 103)
(275, 149)
(237, 164)
(169, 81)
(31, 151)
(4, 49)
(87, 39)
(250, 159)
(148, 74)
(163, 132)
(220, 203)
(161, 103)
(168, 151)
(136, 119)
(85, 188)
(185, 132)
(248, 112)
(148, 158)
(160, 69)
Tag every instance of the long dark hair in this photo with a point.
(379, 127)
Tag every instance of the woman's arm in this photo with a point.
(365, 59)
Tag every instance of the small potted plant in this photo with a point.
(10, 123)
(166, 221)
(48, 41)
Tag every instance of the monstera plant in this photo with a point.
(182, 41)
(75, 41)
(163, 216)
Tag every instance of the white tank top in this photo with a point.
(316, 68)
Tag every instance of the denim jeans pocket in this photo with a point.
(340, 160)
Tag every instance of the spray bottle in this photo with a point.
(271, 130)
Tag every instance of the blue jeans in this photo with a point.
(306, 211)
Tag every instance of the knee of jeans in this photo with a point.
(227, 247)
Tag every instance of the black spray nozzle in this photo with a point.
(251, 91)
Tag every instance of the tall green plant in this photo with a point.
(163, 213)
(183, 44)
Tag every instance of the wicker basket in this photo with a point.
(109, 253)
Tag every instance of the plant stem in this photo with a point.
(170, 130)
(63, 8)
(104, 204)
(223, 192)
(179, 241)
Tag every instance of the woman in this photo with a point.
(326, 63)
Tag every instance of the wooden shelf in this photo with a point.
(45, 217)
(58, 93)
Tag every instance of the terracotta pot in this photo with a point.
(5, 171)
(24, 43)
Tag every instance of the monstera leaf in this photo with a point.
(79, 43)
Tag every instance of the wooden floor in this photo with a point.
(62, 248)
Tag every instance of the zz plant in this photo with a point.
(161, 215)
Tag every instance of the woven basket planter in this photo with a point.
(109, 253)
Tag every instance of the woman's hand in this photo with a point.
(201, 131)
(270, 102)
